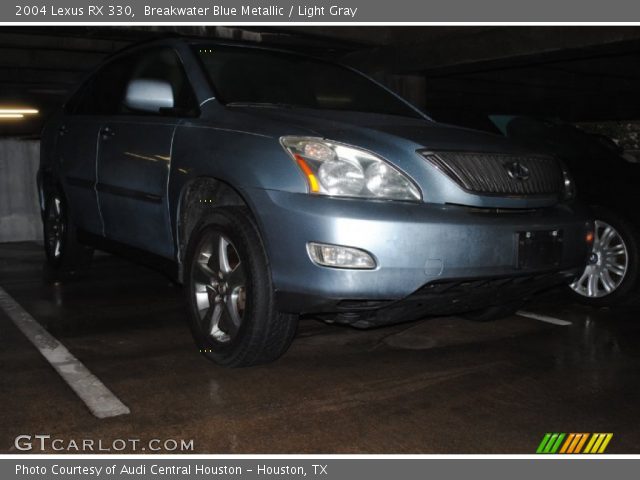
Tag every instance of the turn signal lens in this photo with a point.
(311, 178)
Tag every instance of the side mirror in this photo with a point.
(149, 95)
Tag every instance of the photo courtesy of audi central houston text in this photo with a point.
(319, 239)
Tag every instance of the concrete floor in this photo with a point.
(443, 385)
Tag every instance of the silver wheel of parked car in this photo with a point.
(607, 266)
(232, 309)
(219, 287)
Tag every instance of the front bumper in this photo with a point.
(414, 245)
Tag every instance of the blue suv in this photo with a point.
(275, 185)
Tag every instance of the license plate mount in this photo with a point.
(539, 248)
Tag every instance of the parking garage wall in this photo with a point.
(19, 212)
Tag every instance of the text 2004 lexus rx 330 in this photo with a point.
(277, 185)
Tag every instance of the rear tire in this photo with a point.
(63, 251)
(232, 312)
(611, 278)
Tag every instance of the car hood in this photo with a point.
(398, 140)
(363, 129)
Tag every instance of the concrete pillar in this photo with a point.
(19, 211)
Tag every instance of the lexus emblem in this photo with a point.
(517, 171)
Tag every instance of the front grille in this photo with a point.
(489, 173)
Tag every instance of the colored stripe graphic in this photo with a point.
(558, 442)
(598, 443)
(567, 443)
(574, 442)
(577, 441)
(543, 443)
(581, 443)
(550, 443)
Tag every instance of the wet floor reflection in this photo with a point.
(442, 385)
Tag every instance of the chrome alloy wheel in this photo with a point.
(219, 285)
(55, 228)
(608, 263)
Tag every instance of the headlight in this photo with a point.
(340, 170)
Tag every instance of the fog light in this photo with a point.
(338, 256)
(589, 237)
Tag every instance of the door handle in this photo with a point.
(107, 132)
(62, 130)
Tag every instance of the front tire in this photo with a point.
(230, 295)
(611, 277)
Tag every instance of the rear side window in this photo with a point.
(105, 92)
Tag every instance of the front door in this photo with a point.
(134, 154)
(133, 170)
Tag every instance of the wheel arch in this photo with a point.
(197, 196)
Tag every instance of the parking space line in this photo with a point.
(543, 318)
(99, 399)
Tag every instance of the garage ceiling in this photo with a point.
(575, 73)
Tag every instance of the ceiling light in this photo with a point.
(18, 111)
(11, 115)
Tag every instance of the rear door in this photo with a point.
(134, 158)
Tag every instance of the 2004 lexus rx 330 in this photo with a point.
(277, 185)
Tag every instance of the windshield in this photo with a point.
(252, 76)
